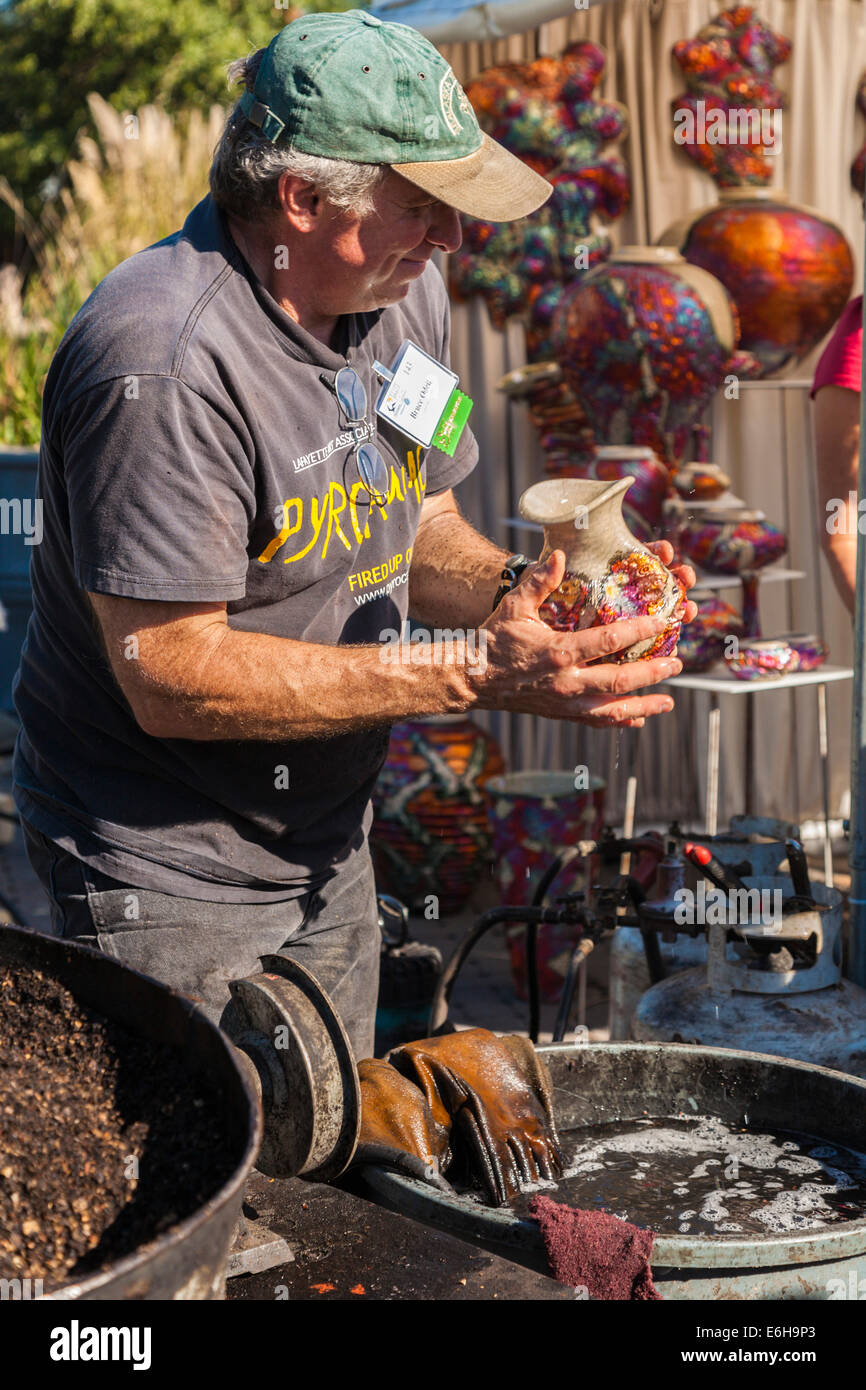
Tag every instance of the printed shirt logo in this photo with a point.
(354, 436)
(341, 516)
(449, 87)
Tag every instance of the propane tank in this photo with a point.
(777, 988)
(629, 976)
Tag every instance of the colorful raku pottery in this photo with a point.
(736, 542)
(644, 341)
(702, 641)
(533, 816)
(647, 493)
(728, 119)
(700, 482)
(732, 542)
(776, 656)
(430, 833)
(548, 114)
(609, 574)
(788, 269)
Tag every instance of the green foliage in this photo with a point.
(120, 196)
(172, 52)
(23, 367)
(157, 58)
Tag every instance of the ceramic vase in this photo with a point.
(533, 816)
(700, 481)
(609, 573)
(644, 341)
(788, 270)
(777, 656)
(643, 506)
(702, 641)
(430, 835)
(732, 542)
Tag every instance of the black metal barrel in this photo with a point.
(188, 1261)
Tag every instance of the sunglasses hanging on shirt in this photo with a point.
(419, 396)
(372, 468)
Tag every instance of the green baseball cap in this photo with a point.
(349, 86)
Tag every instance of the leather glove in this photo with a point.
(397, 1128)
(495, 1094)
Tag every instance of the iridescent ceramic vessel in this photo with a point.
(728, 67)
(430, 833)
(609, 573)
(644, 341)
(788, 270)
(702, 641)
(647, 493)
(701, 481)
(732, 542)
(776, 656)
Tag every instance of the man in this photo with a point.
(230, 530)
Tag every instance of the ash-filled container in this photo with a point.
(763, 1102)
(129, 1128)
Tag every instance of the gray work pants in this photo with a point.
(197, 946)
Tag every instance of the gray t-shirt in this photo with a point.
(193, 450)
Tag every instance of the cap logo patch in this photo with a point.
(448, 89)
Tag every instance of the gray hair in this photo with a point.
(246, 168)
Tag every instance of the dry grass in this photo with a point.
(132, 184)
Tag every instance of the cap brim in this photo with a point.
(492, 183)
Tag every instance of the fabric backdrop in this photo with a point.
(764, 440)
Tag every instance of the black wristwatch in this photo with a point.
(514, 567)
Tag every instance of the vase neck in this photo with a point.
(646, 255)
(563, 502)
(752, 193)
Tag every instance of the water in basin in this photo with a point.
(704, 1176)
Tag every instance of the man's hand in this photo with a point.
(189, 675)
(533, 669)
(684, 573)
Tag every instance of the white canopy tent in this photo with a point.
(467, 21)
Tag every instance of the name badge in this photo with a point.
(422, 399)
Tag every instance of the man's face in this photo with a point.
(370, 262)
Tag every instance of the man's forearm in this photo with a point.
(228, 684)
(454, 575)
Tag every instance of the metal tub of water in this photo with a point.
(605, 1082)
